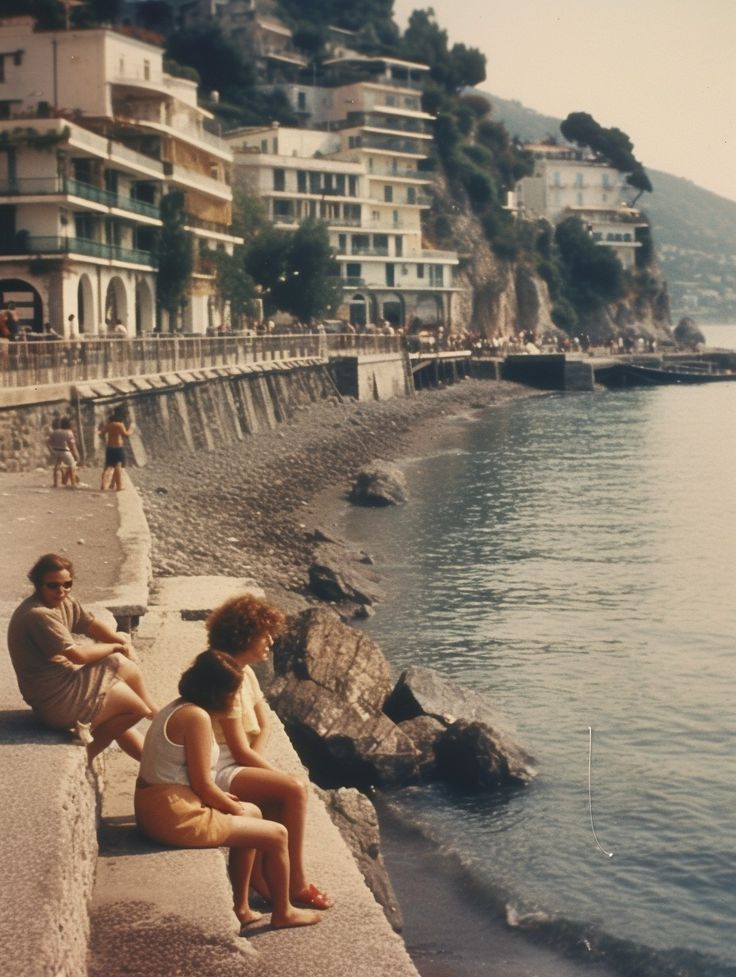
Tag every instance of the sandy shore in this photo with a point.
(251, 511)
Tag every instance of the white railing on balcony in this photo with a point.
(37, 362)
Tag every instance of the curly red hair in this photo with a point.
(233, 625)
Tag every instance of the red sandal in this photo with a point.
(313, 898)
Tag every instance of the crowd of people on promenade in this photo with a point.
(203, 780)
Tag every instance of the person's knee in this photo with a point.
(297, 791)
(250, 810)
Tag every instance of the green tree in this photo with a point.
(594, 273)
(175, 256)
(611, 144)
(296, 270)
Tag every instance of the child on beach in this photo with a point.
(244, 627)
(114, 433)
(178, 802)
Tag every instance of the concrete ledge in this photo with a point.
(49, 850)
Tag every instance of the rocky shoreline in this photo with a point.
(253, 511)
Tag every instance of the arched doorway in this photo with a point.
(85, 305)
(116, 303)
(429, 310)
(392, 310)
(144, 316)
(27, 302)
(358, 310)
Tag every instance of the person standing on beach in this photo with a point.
(244, 627)
(95, 689)
(114, 433)
(63, 446)
(177, 801)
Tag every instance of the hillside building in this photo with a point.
(569, 182)
(93, 133)
(356, 168)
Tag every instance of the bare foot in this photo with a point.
(248, 916)
(295, 917)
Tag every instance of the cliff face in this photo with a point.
(504, 297)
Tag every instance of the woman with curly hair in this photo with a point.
(245, 627)
(177, 801)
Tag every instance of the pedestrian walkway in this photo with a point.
(47, 819)
(155, 912)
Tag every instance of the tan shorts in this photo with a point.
(172, 814)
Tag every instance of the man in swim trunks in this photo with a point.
(114, 432)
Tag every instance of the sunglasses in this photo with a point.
(56, 585)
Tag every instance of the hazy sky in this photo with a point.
(664, 71)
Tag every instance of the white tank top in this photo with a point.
(163, 761)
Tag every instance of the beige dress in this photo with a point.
(59, 691)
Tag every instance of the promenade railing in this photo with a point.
(39, 362)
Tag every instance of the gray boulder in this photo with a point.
(424, 731)
(357, 822)
(476, 757)
(424, 692)
(335, 575)
(687, 333)
(330, 684)
(379, 483)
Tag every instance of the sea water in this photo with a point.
(572, 558)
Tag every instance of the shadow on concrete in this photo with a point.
(120, 836)
(20, 726)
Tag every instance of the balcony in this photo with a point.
(66, 186)
(35, 245)
(389, 144)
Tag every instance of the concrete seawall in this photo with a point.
(156, 911)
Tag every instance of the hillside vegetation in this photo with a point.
(694, 229)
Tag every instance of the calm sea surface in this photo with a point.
(572, 557)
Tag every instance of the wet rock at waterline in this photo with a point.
(380, 483)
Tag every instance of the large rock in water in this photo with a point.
(330, 684)
(687, 333)
(379, 483)
(424, 692)
(357, 821)
(335, 575)
(476, 757)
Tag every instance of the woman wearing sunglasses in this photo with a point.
(71, 684)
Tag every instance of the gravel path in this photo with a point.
(250, 511)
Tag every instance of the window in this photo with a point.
(398, 245)
(388, 194)
(147, 70)
(353, 186)
(301, 181)
(264, 145)
(361, 243)
(314, 183)
(340, 184)
(380, 243)
(353, 270)
(283, 209)
(390, 275)
(436, 278)
(411, 195)
(420, 270)
(342, 243)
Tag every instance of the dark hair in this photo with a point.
(118, 414)
(210, 680)
(55, 423)
(234, 624)
(48, 563)
(66, 424)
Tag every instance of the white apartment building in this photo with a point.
(92, 133)
(357, 171)
(569, 182)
